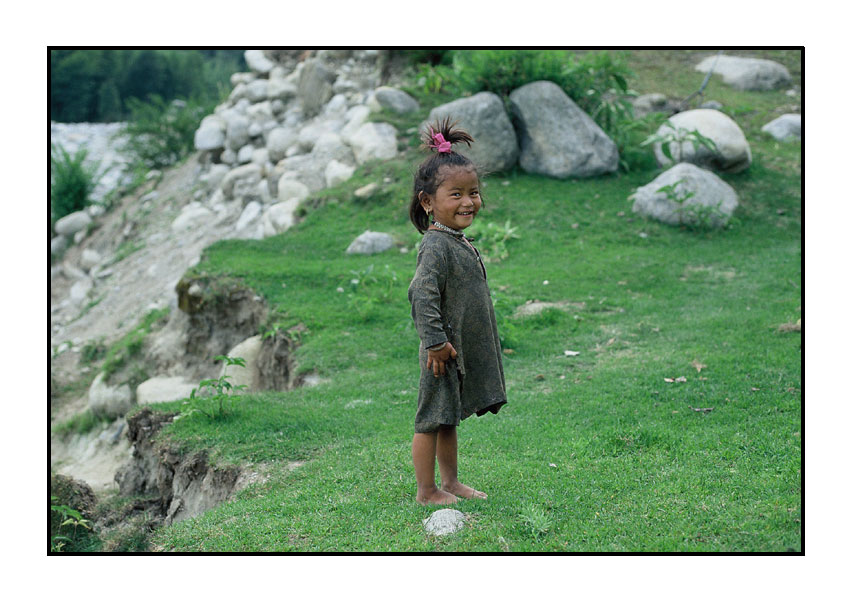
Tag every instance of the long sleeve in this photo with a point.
(426, 294)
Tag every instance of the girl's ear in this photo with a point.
(425, 201)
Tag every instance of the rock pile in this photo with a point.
(289, 129)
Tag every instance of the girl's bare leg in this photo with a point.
(424, 453)
(447, 457)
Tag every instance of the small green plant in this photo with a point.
(536, 520)
(222, 388)
(434, 78)
(72, 181)
(66, 517)
(673, 139)
(369, 288)
(492, 239)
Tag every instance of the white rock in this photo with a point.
(733, 151)
(89, 259)
(80, 290)
(337, 172)
(444, 521)
(193, 215)
(785, 127)
(746, 73)
(288, 189)
(712, 200)
(279, 217)
(257, 61)
(366, 191)
(374, 141)
(164, 389)
(245, 153)
(252, 211)
(370, 242)
(213, 177)
(211, 134)
(58, 244)
(240, 179)
(395, 100)
(248, 375)
(278, 141)
(281, 89)
(257, 91)
(72, 223)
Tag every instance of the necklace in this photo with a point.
(451, 230)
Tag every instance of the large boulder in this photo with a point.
(395, 100)
(557, 138)
(694, 197)
(374, 141)
(248, 350)
(164, 389)
(370, 243)
(785, 127)
(269, 364)
(485, 118)
(748, 74)
(733, 151)
(315, 86)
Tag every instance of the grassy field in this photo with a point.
(594, 452)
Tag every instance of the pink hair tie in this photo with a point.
(442, 145)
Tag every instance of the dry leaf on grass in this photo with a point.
(676, 380)
(698, 365)
(791, 327)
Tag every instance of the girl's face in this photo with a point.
(457, 199)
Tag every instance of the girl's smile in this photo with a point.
(457, 199)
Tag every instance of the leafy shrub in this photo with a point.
(161, 133)
(501, 71)
(71, 182)
(492, 239)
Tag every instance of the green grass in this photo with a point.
(595, 452)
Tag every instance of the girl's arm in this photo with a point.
(425, 295)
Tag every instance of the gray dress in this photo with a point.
(450, 301)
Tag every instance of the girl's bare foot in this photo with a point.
(436, 497)
(464, 491)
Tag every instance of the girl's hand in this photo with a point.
(437, 360)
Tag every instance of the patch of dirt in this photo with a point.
(532, 307)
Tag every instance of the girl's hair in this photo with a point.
(427, 178)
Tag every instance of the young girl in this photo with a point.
(459, 356)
